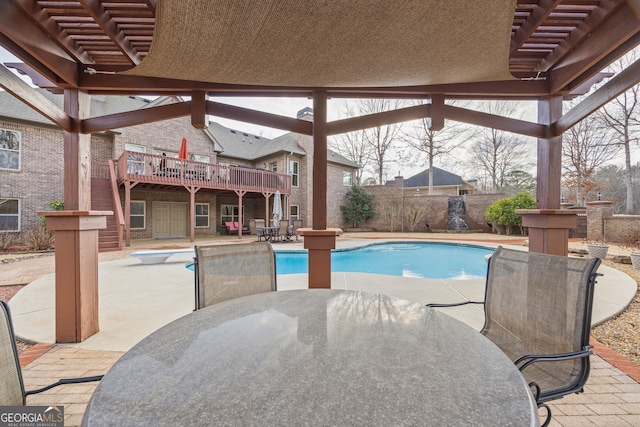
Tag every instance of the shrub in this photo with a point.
(631, 240)
(391, 215)
(413, 213)
(56, 206)
(8, 239)
(359, 207)
(38, 239)
(502, 212)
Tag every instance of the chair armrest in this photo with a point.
(455, 304)
(64, 381)
(528, 359)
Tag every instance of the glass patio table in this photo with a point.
(268, 232)
(313, 357)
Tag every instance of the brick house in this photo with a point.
(155, 190)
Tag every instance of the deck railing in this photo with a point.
(157, 169)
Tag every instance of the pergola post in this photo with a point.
(319, 240)
(548, 224)
(76, 232)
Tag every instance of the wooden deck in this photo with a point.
(162, 170)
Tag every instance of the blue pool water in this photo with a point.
(426, 260)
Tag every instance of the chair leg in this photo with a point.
(548, 418)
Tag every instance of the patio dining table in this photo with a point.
(267, 232)
(313, 357)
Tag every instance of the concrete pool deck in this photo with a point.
(137, 299)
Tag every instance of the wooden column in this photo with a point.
(76, 259)
(319, 243)
(319, 240)
(192, 211)
(549, 155)
(77, 153)
(240, 209)
(127, 212)
(548, 224)
(76, 232)
(319, 160)
(549, 229)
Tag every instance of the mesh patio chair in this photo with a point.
(538, 311)
(12, 392)
(297, 223)
(282, 233)
(223, 272)
(260, 231)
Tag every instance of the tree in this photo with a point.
(359, 207)
(497, 152)
(371, 147)
(620, 116)
(436, 143)
(610, 180)
(585, 147)
(354, 147)
(518, 181)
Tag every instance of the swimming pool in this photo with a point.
(406, 259)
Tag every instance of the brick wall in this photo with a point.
(618, 227)
(602, 224)
(39, 180)
(436, 207)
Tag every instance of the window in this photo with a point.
(273, 166)
(202, 215)
(135, 162)
(228, 213)
(294, 171)
(294, 212)
(347, 178)
(137, 215)
(10, 149)
(9, 215)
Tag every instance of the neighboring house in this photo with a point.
(444, 183)
(157, 191)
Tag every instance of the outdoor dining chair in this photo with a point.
(297, 223)
(538, 311)
(12, 392)
(282, 232)
(223, 272)
(260, 229)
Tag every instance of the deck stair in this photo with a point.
(102, 200)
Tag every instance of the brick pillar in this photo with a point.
(597, 213)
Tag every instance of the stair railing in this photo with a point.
(116, 201)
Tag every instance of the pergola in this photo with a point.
(543, 50)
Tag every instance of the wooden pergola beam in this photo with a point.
(258, 117)
(623, 81)
(480, 118)
(137, 117)
(34, 99)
